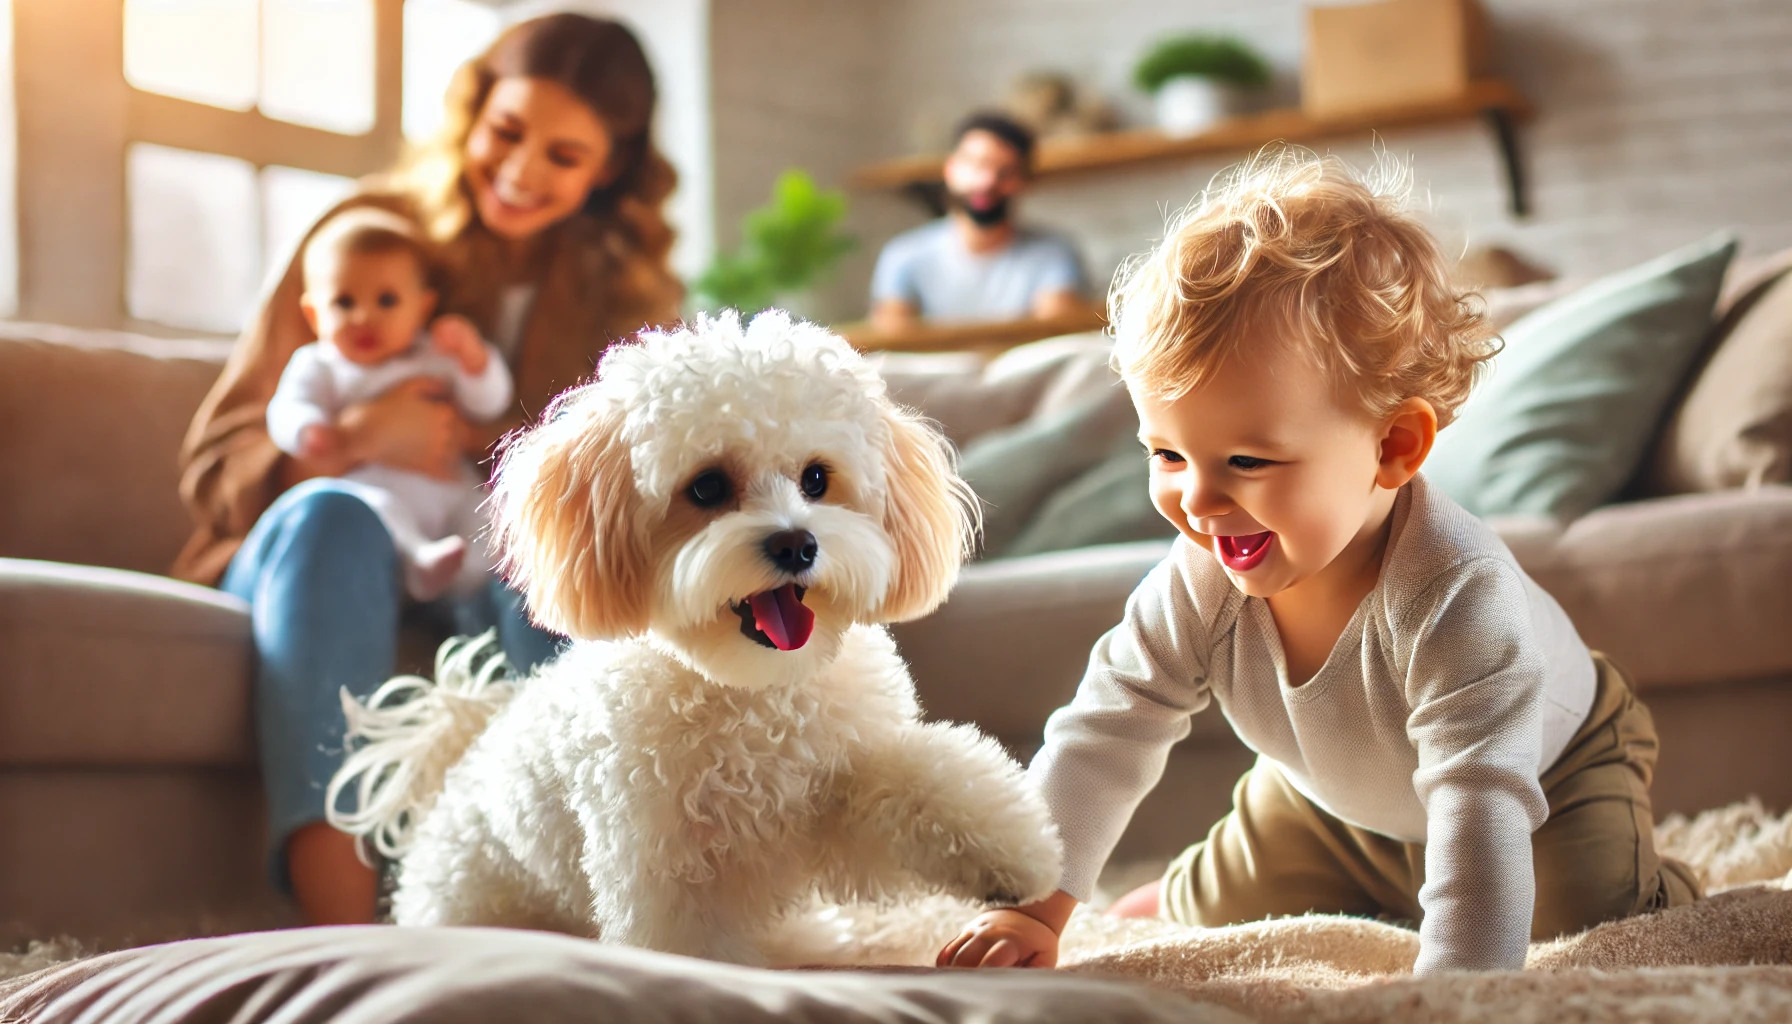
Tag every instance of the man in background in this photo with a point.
(976, 263)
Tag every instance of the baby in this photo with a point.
(368, 298)
(1435, 743)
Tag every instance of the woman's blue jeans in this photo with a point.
(325, 593)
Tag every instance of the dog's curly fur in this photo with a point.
(671, 782)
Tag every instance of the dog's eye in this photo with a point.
(815, 480)
(709, 489)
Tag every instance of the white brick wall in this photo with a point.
(1658, 120)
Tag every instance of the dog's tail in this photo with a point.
(409, 733)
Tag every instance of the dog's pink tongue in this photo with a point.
(782, 616)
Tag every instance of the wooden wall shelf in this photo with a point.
(1496, 100)
(953, 336)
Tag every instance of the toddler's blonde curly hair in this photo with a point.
(1294, 247)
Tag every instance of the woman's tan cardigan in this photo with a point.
(592, 291)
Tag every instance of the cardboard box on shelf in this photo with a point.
(1391, 53)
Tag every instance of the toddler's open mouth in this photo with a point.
(777, 618)
(1242, 552)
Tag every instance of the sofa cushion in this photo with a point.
(1109, 503)
(970, 397)
(108, 667)
(1580, 389)
(1683, 590)
(90, 430)
(1734, 428)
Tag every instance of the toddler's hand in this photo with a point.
(455, 335)
(320, 441)
(1002, 938)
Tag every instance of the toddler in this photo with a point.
(1435, 744)
(368, 299)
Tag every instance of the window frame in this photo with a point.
(262, 141)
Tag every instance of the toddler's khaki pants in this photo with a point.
(1278, 854)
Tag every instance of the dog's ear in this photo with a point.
(930, 516)
(567, 520)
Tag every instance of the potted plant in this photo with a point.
(786, 246)
(1193, 79)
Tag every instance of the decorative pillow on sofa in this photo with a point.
(1734, 428)
(1575, 398)
(1016, 469)
(1110, 503)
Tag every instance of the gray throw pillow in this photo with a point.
(1563, 420)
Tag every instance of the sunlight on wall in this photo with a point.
(439, 36)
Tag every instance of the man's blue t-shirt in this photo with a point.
(930, 268)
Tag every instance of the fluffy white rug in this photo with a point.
(1697, 963)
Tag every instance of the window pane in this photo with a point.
(317, 63)
(439, 36)
(200, 50)
(195, 243)
(291, 201)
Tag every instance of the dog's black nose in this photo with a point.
(792, 550)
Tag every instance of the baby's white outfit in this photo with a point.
(1455, 685)
(419, 510)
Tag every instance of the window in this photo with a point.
(199, 50)
(317, 63)
(439, 36)
(308, 62)
(192, 217)
(249, 119)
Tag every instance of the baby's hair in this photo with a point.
(1296, 246)
(366, 231)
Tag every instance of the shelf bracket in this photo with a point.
(1505, 133)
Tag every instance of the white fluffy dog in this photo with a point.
(721, 520)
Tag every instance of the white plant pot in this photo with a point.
(1187, 105)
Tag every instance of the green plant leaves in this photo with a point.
(1220, 58)
(786, 245)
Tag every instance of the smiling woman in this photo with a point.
(542, 198)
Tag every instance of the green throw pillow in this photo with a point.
(1015, 469)
(1108, 504)
(1562, 421)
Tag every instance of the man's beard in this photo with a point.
(989, 216)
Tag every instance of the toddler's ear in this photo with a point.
(565, 513)
(1407, 435)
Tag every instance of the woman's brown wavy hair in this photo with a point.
(622, 224)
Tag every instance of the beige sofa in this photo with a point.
(129, 803)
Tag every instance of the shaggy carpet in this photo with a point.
(1724, 959)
